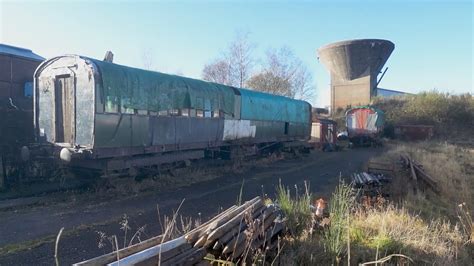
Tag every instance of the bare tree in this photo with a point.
(235, 65)
(147, 59)
(283, 74)
(218, 72)
(240, 57)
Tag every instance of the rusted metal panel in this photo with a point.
(238, 129)
(80, 82)
(45, 101)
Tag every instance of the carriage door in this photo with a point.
(64, 99)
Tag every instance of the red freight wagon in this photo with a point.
(414, 132)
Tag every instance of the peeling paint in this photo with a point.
(238, 129)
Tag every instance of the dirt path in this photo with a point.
(38, 226)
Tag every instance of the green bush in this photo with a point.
(449, 114)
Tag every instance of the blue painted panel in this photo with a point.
(267, 107)
(18, 51)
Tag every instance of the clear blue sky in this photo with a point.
(433, 39)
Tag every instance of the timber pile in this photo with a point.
(418, 173)
(364, 179)
(230, 236)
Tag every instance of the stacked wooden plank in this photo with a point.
(418, 173)
(230, 235)
(242, 229)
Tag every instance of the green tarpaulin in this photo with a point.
(154, 91)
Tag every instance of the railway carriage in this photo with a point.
(104, 116)
(17, 66)
(364, 125)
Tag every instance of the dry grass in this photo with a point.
(391, 230)
(451, 166)
(426, 228)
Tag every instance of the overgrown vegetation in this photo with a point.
(339, 211)
(451, 115)
(422, 228)
(296, 209)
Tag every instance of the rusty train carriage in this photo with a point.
(104, 116)
(17, 66)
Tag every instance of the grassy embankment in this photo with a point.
(407, 228)
(425, 228)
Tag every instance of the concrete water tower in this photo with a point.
(354, 66)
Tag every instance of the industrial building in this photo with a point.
(354, 66)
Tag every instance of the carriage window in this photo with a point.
(216, 113)
(174, 112)
(125, 106)
(199, 113)
(153, 113)
(142, 112)
(111, 104)
(163, 113)
(207, 108)
(185, 112)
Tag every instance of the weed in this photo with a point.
(239, 199)
(297, 210)
(124, 227)
(335, 236)
(465, 221)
